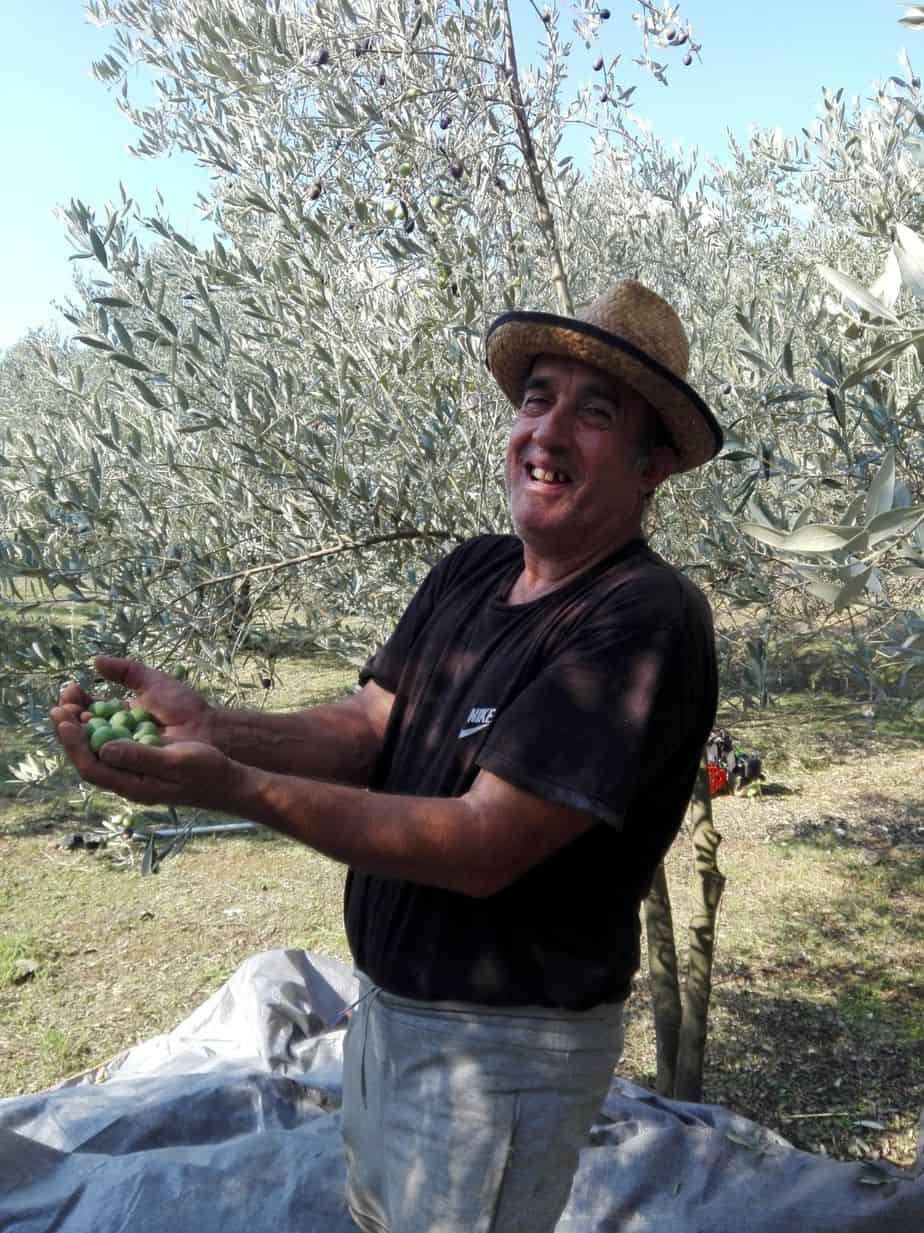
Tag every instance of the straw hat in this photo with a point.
(629, 333)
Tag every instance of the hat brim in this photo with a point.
(515, 339)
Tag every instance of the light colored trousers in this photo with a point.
(469, 1119)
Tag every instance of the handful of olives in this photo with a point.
(111, 721)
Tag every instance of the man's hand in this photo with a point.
(183, 713)
(179, 773)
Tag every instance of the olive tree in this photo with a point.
(257, 445)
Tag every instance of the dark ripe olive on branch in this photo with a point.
(322, 58)
(680, 39)
(315, 191)
(670, 34)
(687, 60)
(409, 225)
(456, 170)
(547, 16)
(604, 97)
(382, 78)
(604, 14)
(598, 64)
(445, 121)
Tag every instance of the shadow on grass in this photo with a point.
(812, 1070)
(873, 823)
(829, 1022)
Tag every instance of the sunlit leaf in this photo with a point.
(856, 293)
(894, 522)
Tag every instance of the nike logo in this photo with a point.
(479, 718)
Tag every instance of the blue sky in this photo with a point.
(763, 63)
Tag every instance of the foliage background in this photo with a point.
(258, 447)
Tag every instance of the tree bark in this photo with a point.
(665, 987)
(710, 884)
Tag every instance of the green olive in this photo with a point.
(140, 715)
(123, 719)
(98, 721)
(148, 738)
(99, 709)
(112, 708)
(101, 737)
(146, 728)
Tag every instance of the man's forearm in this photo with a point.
(429, 840)
(332, 742)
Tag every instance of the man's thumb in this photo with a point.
(128, 672)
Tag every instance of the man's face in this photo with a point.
(573, 473)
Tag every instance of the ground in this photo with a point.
(816, 1027)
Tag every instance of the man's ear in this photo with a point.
(660, 463)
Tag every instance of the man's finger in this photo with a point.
(66, 713)
(135, 779)
(72, 695)
(128, 672)
(136, 759)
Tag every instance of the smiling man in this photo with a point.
(503, 786)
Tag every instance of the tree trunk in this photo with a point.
(665, 988)
(544, 215)
(710, 884)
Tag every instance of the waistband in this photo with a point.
(557, 1026)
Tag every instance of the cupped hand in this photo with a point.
(182, 712)
(179, 773)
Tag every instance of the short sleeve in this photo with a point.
(387, 663)
(384, 666)
(617, 706)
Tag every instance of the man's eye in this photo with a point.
(598, 413)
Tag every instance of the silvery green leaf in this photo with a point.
(766, 535)
(882, 487)
(752, 357)
(887, 286)
(856, 293)
(855, 510)
(825, 591)
(99, 248)
(820, 538)
(894, 522)
(852, 590)
(146, 392)
(129, 361)
(909, 251)
(878, 359)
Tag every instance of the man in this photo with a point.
(530, 734)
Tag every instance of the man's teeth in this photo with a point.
(548, 477)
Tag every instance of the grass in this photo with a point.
(815, 1021)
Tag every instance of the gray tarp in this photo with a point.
(230, 1123)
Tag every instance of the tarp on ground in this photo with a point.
(231, 1122)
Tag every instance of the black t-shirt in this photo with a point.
(599, 695)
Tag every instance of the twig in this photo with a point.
(795, 1117)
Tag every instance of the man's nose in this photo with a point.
(553, 428)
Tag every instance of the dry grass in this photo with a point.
(816, 1021)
